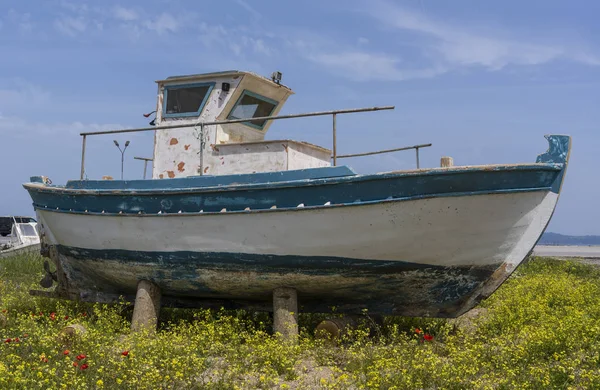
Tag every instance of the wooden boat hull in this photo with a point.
(428, 254)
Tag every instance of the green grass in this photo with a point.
(540, 330)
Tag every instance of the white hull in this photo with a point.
(446, 231)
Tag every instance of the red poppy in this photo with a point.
(418, 331)
(66, 352)
(83, 366)
(81, 357)
(84, 314)
(66, 317)
(41, 314)
(428, 337)
(7, 340)
(125, 353)
(75, 364)
(45, 359)
(4, 311)
(53, 316)
(17, 340)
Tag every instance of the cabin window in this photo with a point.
(27, 230)
(252, 105)
(185, 100)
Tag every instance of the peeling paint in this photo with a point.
(173, 141)
(186, 147)
(171, 174)
(180, 166)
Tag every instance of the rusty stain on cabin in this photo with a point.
(173, 141)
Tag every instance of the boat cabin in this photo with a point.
(230, 148)
(23, 232)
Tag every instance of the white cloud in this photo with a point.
(21, 20)
(258, 45)
(248, 8)
(18, 127)
(164, 23)
(124, 14)
(459, 46)
(19, 95)
(363, 66)
(362, 41)
(70, 26)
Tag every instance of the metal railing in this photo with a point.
(145, 160)
(333, 113)
(416, 147)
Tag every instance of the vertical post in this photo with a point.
(122, 162)
(334, 141)
(418, 165)
(82, 157)
(146, 308)
(202, 149)
(145, 165)
(285, 313)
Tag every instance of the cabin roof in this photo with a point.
(219, 74)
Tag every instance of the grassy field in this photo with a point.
(541, 329)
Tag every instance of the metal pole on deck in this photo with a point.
(334, 141)
(145, 160)
(202, 149)
(417, 150)
(83, 157)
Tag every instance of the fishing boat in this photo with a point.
(18, 235)
(229, 216)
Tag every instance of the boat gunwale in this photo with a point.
(303, 208)
(43, 188)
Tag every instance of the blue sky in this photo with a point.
(482, 81)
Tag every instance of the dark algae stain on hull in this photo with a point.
(386, 287)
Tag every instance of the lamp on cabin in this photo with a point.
(276, 77)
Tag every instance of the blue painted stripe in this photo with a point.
(343, 190)
(263, 263)
(280, 209)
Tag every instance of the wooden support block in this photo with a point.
(147, 307)
(285, 313)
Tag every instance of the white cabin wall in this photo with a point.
(177, 151)
(301, 156)
(247, 158)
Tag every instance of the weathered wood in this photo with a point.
(285, 313)
(147, 307)
(446, 162)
